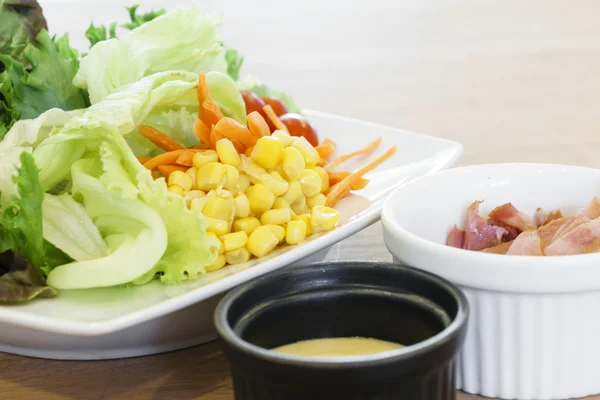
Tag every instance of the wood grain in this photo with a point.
(512, 80)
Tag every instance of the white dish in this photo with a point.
(124, 322)
(532, 330)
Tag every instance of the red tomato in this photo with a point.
(278, 105)
(253, 102)
(297, 125)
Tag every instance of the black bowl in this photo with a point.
(343, 299)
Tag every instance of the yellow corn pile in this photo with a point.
(254, 202)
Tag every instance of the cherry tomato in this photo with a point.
(297, 125)
(278, 105)
(253, 102)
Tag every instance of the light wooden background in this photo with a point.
(512, 80)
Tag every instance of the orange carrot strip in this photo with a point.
(155, 175)
(203, 146)
(257, 125)
(159, 139)
(231, 129)
(166, 170)
(186, 158)
(274, 118)
(345, 186)
(326, 148)
(335, 177)
(163, 159)
(202, 132)
(143, 160)
(209, 113)
(359, 183)
(371, 147)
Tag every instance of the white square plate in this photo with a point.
(122, 322)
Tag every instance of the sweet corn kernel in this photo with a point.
(191, 172)
(218, 207)
(195, 194)
(237, 256)
(280, 202)
(227, 152)
(234, 241)
(324, 217)
(242, 206)
(292, 163)
(180, 178)
(267, 152)
(232, 175)
(293, 193)
(243, 183)
(261, 241)
(217, 226)
(247, 224)
(324, 177)
(310, 182)
(176, 189)
(318, 199)
(310, 154)
(275, 182)
(278, 231)
(221, 248)
(276, 217)
(261, 198)
(204, 157)
(210, 175)
(295, 232)
(217, 265)
(197, 205)
(299, 206)
(307, 220)
(285, 138)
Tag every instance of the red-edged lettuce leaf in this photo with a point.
(20, 280)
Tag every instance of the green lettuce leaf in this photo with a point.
(182, 40)
(8, 114)
(263, 90)
(99, 33)
(138, 20)
(19, 280)
(49, 83)
(227, 96)
(234, 63)
(22, 20)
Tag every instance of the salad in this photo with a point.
(149, 157)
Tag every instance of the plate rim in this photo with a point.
(52, 325)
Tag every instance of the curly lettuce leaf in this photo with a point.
(138, 20)
(8, 113)
(182, 40)
(49, 83)
(100, 33)
(20, 281)
(227, 96)
(22, 20)
(234, 63)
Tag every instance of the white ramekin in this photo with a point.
(534, 329)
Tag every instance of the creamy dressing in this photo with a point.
(337, 347)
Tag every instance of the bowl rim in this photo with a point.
(395, 233)
(458, 323)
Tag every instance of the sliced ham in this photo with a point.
(591, 211)
(509, 215)
(584, 238)
(479, 234)
(527, 243)
(456, 237)
(544, 218)
(500, 249)
(548, 231)
(570, 224)
(511, 231)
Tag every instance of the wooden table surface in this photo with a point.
(512, 80)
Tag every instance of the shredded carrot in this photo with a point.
(164, 159)
(202, 132)
(335, 177)
(257, 125)
(166, 170)
(186, 157)
(371, 147)
(345, 186)
(209, 113)
(359, 183)
(274, 118)
(155, 175)
(231, 129)
(159, 139)
(143, 160)
(203, 146)
(326, 148)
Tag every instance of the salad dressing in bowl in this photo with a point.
(337, 347)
